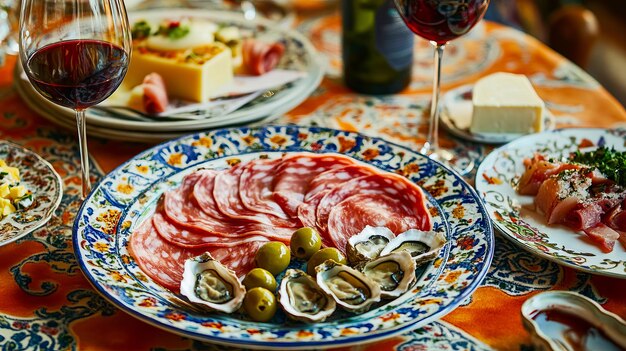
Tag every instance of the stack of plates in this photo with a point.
(299, 55)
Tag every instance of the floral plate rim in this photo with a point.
(46, 211)
(465, 280)
(487, 187)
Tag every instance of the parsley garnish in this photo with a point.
(141, 30)
(173, 30)
(610, 162)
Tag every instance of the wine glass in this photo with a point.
(440, 21)
(75, 53)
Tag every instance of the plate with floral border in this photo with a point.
(514, 215)
(40, 178)
(129, 194)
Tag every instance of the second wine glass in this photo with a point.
(75, 53)
(440, 21)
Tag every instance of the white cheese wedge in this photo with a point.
(193, 76)
(506, 103)
(200, 33)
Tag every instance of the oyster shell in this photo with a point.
(394, 273)
(210, 284)
(423, 246)
(351, 289)
(302, 299)
(368, 244)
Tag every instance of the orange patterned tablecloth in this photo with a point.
(47, 304)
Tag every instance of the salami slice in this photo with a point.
(227, 200)
(332, 178)
(410, 198)
(187, 225)
(255, 187)
(295, 173)
(160, 260)
(351, 216)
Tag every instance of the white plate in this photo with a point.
(512, 213)
(456, 117)
(38, 176)
(300, 54)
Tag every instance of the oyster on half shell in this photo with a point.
(423, 246)
(368, 244)
(394, 273)
(351, 289)
(302, 298)
(210, 284)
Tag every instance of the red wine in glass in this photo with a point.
(440, 21)
(77, 73)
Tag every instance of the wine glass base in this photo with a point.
(451, 161)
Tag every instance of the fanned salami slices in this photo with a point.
(296, 172)
(410, 197)
(231, 213)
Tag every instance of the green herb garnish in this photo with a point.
(173, 30)
(141, 30)
(610, 162)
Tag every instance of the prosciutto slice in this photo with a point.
(154, 94)
(356, 212)
(409, 196)
(296, 172)
(260, 57)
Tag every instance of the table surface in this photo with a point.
(47, 304)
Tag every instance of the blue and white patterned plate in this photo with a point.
(125, 196)
(514, 215)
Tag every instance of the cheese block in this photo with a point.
(194, 75)
(506, 103)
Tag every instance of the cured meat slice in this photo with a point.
(538, 169)
(164, 262)
(295, 173)
(228, 201)
(409, 195)
(189, 226)
(154, 94)
(604, 236)
(255, 187)
(160, 260)
(356, 212)
(334, 177)
(260, 57)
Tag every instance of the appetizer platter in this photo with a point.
(303, 245)
(30, 192)
(559, 195)
(298, 61)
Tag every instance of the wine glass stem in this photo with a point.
(81, 125)
(432, 139)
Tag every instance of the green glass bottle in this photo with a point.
(377, 47)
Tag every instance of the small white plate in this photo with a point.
(456, 117)
(38, 176)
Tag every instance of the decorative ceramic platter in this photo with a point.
(514, 214)
(456, 117)
(129, 194)
(299, 55)
(38, 176)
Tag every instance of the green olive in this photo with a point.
(259, 278)
(273, 257)
(260, 304)
(328, 253)
(305, 242)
